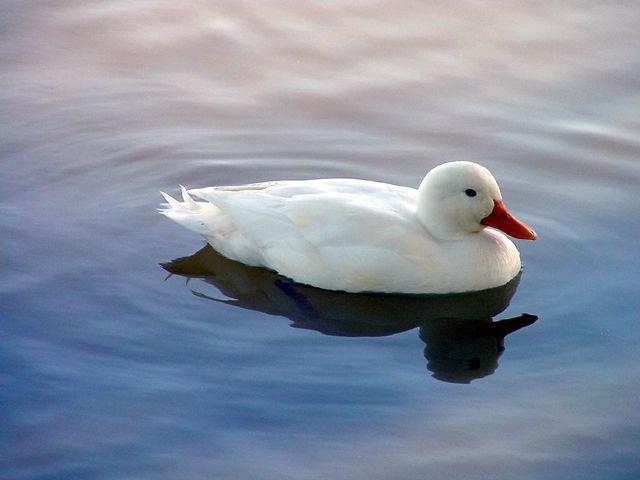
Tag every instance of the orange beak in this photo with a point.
(501, 219)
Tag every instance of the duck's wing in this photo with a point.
(328, 212)
(309, 230)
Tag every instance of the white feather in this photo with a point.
(357, 235)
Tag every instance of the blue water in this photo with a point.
(112, 368)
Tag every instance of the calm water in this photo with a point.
(109, 369)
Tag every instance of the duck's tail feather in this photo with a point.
(196, 216)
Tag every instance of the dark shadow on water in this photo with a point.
(463, 342)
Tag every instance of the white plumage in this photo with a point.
(363, 236)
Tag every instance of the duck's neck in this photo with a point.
(439, 222)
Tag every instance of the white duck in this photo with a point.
(364, 236)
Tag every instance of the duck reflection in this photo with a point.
(463, 343)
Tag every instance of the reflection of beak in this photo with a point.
(501, 219)
(502, 328)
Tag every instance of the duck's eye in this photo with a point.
(470, 192)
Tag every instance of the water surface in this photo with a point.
(112, 370)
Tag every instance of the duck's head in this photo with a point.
(458, 198)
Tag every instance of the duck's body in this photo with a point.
(362, 236)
